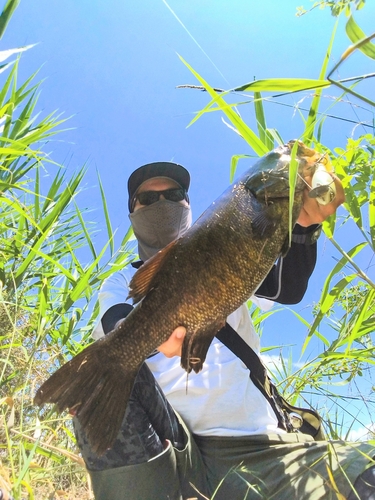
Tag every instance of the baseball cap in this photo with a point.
(171, 170)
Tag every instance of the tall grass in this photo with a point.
(47, 293)
(46, 289)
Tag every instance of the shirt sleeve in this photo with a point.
(112, 302)
(114, 290)
(287, 281)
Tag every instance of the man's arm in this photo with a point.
(287, 281)
(114, 314)
(112, 302)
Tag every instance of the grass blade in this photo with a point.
(326, 304)
(356, 35)
(85, 231)
(328, 296)
(250, 137)
(106, 215)
(264, 134)
(283, 85)
(365, 312)
(6, 14)
(4, 54)
(293, 173)
(233, 165)
(313, 113)
(371, 211)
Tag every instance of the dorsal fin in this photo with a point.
(142, 281)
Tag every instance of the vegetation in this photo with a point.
(47, 290)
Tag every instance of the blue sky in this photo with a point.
(113, 68)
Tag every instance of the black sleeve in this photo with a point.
(287, 281)
(114, 313)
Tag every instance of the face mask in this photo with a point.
(158, 224)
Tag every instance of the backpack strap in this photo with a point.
(311, 421)
(258, 373)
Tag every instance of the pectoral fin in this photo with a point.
(264, 224)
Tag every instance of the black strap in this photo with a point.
(258, 372)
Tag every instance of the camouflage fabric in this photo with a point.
(149, 420)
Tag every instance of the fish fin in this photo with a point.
(195, 346)
(142, 281)
(263, 225)
(92, 385)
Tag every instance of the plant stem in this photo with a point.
(351, 261)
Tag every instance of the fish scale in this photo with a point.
(195, 282)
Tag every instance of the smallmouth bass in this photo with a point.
(196, 281)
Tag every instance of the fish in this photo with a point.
(196, 281)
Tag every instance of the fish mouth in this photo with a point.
(270, 180)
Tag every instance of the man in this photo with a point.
(238, 447)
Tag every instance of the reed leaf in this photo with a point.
(4, 54)
(6, 85)
(106, 215)
(329, 295)
(264, 134)
(293, 175)
(356, 35)
(85, 231)
(371, 211)
(313, 112)
(84, 281)
(233, 165)
(283, 85)
(363, 312)
(250, 137)
(210, 107)
(8, 9)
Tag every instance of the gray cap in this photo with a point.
(171, 170)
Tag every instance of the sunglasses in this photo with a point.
(150, 197)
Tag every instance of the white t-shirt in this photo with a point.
(221, 400)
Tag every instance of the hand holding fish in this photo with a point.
(173, 346)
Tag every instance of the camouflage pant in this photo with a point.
(149, 420)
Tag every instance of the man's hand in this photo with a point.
(172, 347)
(314, 213)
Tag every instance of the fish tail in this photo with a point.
(97, 388)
